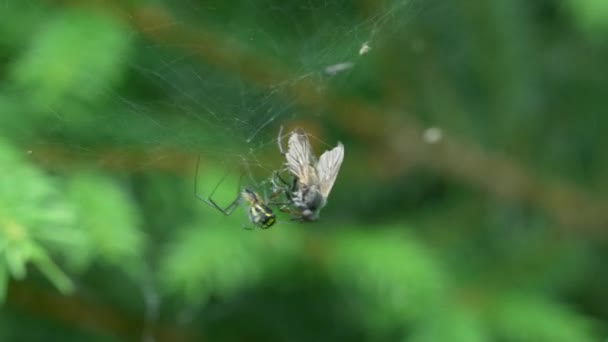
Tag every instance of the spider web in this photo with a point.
(186, 100)
(231, 118)
(234, 120)
(230, 108)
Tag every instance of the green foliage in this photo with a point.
(452, 324)
(532, 318)
(388, 271)
(20, 21)
(211, 259)
(73, 61)
(109, 218)
(591, 16)
(35, 220)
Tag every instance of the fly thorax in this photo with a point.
(313, 199)
(299, 196)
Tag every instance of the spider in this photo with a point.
(258, 211)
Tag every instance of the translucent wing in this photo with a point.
(328, 167)
(299, 157)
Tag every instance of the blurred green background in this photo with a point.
(471, 205)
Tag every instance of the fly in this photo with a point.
(312, 179)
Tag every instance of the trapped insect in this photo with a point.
(258, 211)
(312, 180)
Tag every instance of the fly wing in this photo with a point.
(299, 157)
(328, 167)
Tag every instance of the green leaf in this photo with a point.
(33, 215)
(109, 217)
(16, 259)
(55, 275)
(74, 60)
(525, 317)
(451, 324)
(389, 271)
(211, 259)
(590, 15)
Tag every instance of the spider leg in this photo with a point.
(281, 204)
(276, 187)
(294, 182)
(279, 142)
(246, 225)
(226, 211)
(278, 183)
(274, 195)
(277, 175)
(296, 215)
(209, 201)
